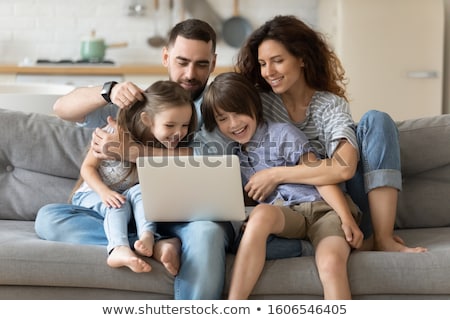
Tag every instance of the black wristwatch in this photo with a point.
(106, 90)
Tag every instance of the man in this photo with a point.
(190, 59)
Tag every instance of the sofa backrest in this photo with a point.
(40, 157)
(425, 156)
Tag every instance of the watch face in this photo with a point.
(106, 91)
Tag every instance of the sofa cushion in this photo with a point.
(425, 156)
(26, 260)
(40, 157)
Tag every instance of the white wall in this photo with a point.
(53, 29)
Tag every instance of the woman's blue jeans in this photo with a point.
(379, 164)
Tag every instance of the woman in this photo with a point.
(302, 82)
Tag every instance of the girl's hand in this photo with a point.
(261, 185)
(112, 199)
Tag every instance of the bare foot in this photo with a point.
(144, 246)
(394, 244)
(167, 251)
(123, 256)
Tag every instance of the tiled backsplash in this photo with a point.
(54, 29)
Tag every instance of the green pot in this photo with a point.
(93, 49)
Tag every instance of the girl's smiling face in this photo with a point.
(235, 126)
(171, 125)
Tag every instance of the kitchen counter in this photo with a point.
(80, 69)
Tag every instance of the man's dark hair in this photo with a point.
(193, 29)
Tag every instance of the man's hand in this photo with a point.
(125, 94)
(106, 146)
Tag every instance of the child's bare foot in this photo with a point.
(123, 256)
(167, 251)
(144, 246)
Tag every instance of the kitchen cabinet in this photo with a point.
(78, 75)
(392, 52)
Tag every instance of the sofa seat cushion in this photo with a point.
(27, 260)
(371, 273)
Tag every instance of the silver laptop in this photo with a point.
(190, 188)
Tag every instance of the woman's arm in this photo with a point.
(89, 173)
(339, 168)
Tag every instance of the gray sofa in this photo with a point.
(39, 158)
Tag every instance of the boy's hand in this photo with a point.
(353, 234)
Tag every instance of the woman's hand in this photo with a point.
(261, 184)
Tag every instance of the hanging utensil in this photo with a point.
(236, 29)
(157, 40)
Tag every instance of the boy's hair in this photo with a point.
(193, 29)
(231, 92)
(160, 96)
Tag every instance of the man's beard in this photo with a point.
(197, 93)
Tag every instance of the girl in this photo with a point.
(232, 104)
(166, 119)
(303, 83)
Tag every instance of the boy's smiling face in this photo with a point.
(235, 126)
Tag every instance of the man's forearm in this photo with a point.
(76, 105)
